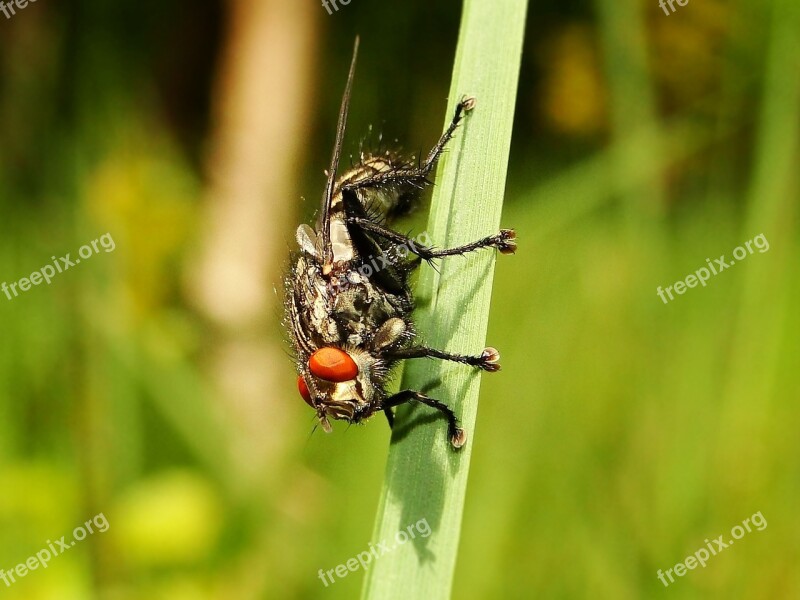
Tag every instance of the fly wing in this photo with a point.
(327, 250)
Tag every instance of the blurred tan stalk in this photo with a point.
(261, 105)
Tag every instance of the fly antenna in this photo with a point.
(327, 250)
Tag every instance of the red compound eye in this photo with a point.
(301, 385)
(332, 364)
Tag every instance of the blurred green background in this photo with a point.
(153, 383)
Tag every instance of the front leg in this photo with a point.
(457, 435)
(389, 417)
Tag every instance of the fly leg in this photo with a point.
(457, 435)
(464, 106)
(488, 360)
(504, 240)
(416, 176)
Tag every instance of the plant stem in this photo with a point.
(426, 479)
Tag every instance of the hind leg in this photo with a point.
(416, 176)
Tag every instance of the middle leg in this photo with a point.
(504, 240)
(488, 360)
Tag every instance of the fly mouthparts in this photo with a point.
(326, 425)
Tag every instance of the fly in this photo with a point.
(349, 315)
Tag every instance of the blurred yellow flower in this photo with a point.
(167, 519)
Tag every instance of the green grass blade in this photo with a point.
(425, 479)
(772, 211)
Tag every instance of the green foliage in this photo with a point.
(620, 433)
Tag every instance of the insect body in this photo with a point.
(348, 316)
